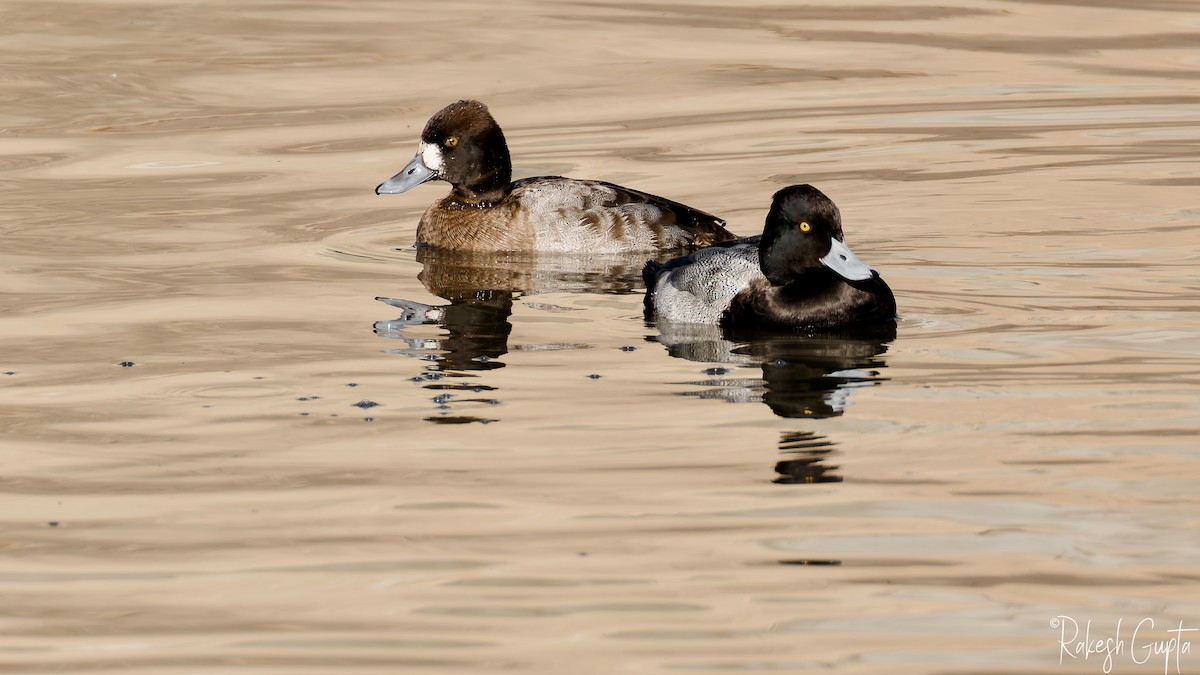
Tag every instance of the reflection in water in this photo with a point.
(456, 274)
(808, 452)
(481, 289)
(803, 375)
(477, 325)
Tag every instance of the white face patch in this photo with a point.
(431, 155)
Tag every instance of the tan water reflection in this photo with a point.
(187, 188)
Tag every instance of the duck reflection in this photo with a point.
(476, 323)
(474, 327)
(803, 375)
(806, 454)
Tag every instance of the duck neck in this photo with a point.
(480, 196)
(490, 173)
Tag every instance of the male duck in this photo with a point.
(797, 275)
(487, 211)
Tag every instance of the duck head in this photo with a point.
(463, 145)
(803, 234)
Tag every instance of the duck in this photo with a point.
(799, 275)
(486, 211)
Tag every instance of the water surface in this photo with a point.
(223, 454)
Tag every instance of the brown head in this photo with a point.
(463, 145)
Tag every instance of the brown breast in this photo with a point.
(451, 224)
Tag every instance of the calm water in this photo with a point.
(507, 468)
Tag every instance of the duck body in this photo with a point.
(487, 211)
(823, 301)
(798, 275)
(699, 288)
(552, 214)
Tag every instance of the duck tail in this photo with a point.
(650, 274)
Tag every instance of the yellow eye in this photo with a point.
(451, 142)
(805, 227)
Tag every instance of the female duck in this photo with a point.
(487, 211)
(797, 275)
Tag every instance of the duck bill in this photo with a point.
(409, 177)
(842, 260)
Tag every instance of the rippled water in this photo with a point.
(223, 454)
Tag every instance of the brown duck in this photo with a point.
(487, 211)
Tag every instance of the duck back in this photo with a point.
(697, 288)
(553, 214)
